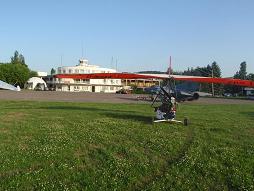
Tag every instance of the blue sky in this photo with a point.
(141, 34)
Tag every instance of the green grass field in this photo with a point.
(86, 146)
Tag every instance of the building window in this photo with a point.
(82, 71)
(103, 88)
(112, 88)
(87, 81)
(85, 88)
(64, 71)
(76, 81)
(70, 71)
(76, 71)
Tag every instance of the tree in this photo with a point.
(53, 71)
(250, 76)
(216, 70)
(208, 71)
(33, 74)
(18, 59)
(22, 60)
(15, 58)
(242, 73)
(15, 74)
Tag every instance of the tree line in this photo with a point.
(213, 70)
(16, 72)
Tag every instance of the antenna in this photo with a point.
(61, 60)
(170, 67)
(112, 61)
(116, 64)
(82, 47)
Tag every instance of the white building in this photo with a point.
(42, 74)
(89, 85)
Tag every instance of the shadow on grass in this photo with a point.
(70, 108)
(111, 113)
(133, 117)
(248, 114)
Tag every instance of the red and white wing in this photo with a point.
(113, 76)
(226, 81)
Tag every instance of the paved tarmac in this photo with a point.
(97, 97)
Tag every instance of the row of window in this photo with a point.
(84, 88)
(112, 81)
(76, 71)
(103, 88)
(87, 81)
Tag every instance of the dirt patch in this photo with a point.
(4, 130)
(17, 172)
(12, 116)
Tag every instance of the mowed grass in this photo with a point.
(88, 146)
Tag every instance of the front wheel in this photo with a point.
(186, 122)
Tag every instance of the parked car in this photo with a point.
(152, 89)
(227, 95)
(123, 91)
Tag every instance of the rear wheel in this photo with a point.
(195, 96)
(186, 122)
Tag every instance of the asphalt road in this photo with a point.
(97, 97)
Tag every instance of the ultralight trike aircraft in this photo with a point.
(169, 97)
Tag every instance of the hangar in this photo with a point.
(36, 83)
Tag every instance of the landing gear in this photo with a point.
(166, 112)
(185, 122)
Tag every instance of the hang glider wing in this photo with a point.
(4, 85)
(112, 76)
(226, 81)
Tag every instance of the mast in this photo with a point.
(169, 70)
